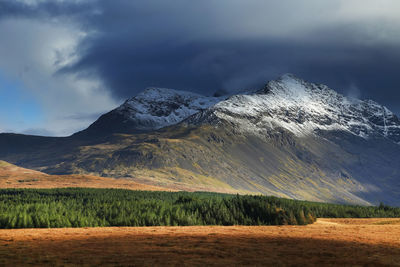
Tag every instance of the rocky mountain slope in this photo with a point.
(152, 109)
(291, 138)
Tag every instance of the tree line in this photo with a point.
(85, 207)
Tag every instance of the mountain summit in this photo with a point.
(303, 108)
(291, 138)
(152, 109)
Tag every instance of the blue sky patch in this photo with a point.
(19, 108)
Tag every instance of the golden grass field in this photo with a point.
(360, 242)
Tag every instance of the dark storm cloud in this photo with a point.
(206, 46)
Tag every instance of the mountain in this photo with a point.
(291, 138)
(152, 109)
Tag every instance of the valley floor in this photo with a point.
(327, 242)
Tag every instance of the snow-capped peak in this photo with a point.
(302, 108)
(155, 108)
(287, 103)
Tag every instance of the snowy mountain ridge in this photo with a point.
(156, 108)
(287, 103)
(302, 108)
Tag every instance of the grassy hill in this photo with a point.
(12, 176)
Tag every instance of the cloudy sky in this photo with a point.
(63, 63)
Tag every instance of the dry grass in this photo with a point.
(327, 242)
(12, 176)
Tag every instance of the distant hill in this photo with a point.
(12, 176)
(291, 138)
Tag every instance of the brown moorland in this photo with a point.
(12, 176)
(371, 242)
